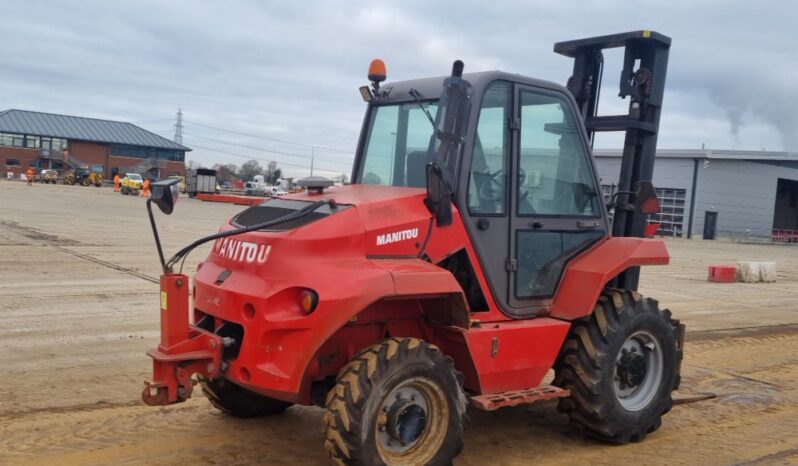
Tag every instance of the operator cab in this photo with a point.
(524, 182)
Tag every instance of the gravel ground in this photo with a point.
(79, 308)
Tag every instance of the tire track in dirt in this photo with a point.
(107, 264)
(58, 243)
(762, 331)
(174, 435)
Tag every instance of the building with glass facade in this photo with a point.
(62, 142)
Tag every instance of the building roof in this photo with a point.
(81, 129)
(714, 154)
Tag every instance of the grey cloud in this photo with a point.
(289, 70)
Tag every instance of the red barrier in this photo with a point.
(722, 273)
(231, 199)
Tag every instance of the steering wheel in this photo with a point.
(486, 189)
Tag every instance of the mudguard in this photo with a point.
(587, 275)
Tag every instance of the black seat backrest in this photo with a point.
(416, 169)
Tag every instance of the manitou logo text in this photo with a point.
(403, 235)
(241, 251)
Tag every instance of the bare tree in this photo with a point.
(249, 169)
(271, 174)
(226, 172)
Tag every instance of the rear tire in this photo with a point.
(621, 365)
(237, 401)
(398, 402)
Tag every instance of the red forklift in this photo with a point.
(472, 255)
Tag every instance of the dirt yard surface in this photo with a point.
(79, 308)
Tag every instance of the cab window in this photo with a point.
(488, 175)
(396, 149)
(555, 176)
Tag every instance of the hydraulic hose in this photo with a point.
(258, 226)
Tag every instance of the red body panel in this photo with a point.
(585, 276)
(363, 261)
(516, 354)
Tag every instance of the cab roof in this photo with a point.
(430, 88)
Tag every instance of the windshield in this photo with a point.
(396, 145)
(134, 177)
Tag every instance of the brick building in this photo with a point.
(61, 142)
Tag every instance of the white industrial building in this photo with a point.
(745, 193)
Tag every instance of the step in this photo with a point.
(495, 401)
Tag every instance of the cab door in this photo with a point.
(555, 210)
(486, 208)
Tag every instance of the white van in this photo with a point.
(275, 191)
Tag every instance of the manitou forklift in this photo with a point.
(472, 255)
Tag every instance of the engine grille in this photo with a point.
(276, 208)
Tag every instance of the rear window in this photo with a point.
(276, 208)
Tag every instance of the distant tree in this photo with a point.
(271, 174)
(342, 178)
(249, 169)
(193, 165)
(226, 172)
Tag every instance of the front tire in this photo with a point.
(237, 401)
(621, 365)
(398, 402)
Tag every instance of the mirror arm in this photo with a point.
(613, 204)
(157, 238)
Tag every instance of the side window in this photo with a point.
(488, 176)
(556, 176)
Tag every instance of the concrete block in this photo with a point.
(767, 272)
(748, 271)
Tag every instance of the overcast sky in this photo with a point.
(289, 71)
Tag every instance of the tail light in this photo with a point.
(308, 300)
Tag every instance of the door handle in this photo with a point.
(587, 224)
(536, 225)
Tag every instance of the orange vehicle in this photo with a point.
(472, 254)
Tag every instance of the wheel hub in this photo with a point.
(638, 371)
(403, 418)
(406, 421)
(632, 368)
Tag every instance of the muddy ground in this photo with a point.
(79, 308)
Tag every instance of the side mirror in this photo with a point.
(646, 197)
(165, 193)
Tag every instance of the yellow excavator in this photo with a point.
(84, 177)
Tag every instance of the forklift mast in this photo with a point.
(645, 64)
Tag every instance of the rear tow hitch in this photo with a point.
(184, 349)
